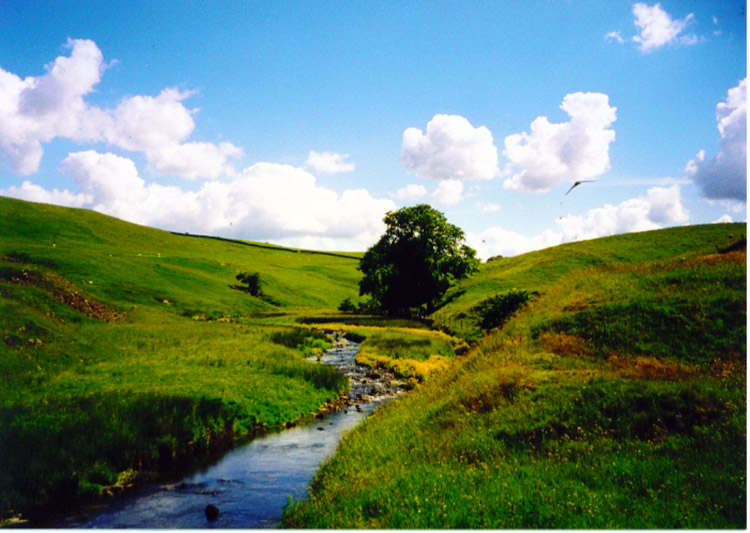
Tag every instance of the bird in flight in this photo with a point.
(577, 183)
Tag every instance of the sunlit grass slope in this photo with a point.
(128, 264)
(538, 270)
(615, 399)
(125, 347)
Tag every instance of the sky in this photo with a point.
(304, 123)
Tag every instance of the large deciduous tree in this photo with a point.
(415, 261)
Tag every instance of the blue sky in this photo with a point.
(302, 123)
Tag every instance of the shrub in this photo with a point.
(494, 311)
(354, 337)
(347, 306)
(252, 281)
(368, 307)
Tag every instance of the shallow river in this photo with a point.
(251, 484)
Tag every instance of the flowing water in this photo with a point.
(251, 484)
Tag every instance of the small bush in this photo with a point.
(101, 474)
(368, 307)
(354, 337)
(252, 281)
(495, 311)
(347, 306)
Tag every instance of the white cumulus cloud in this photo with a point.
(660, 207)
(329, 162)
(35, 193)
(658, 29)
(159, 128)
(565, 152)
(725, 218)
(485, 207)
(450, 149)
(615, 36)
(266, 201)
(448, 192)
(499, 241)
(412, 191)
(36, 110)
(725, 175)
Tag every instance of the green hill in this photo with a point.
(126, 264)
(125, 347)
(537, 271)
(615, 398)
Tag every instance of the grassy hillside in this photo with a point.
(615, 398)
(124, 347)
(129, 265)
(561, 265)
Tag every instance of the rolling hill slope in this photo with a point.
(560, 265)
(129, 264)
(124, 347)
(615, 398)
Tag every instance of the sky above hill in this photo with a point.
(303, 123)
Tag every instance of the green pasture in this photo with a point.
(613, 397)
(567, 264)
(616, 398)
(124, 347)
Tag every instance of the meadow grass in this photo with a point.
(127, 265)
(615, 399)
(413, 353)
(535, 271)
(124, 347)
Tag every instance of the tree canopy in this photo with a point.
(415, 261)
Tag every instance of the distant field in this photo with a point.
(127, 265)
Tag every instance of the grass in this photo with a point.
(538, 270)
(407, 348)
(414, 354)
(124, 348)
(616, 398)
(131, 265)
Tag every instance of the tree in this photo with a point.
(415, 261)
(252, 281)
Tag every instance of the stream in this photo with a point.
(251, 484)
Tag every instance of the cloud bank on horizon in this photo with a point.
(286, 204)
